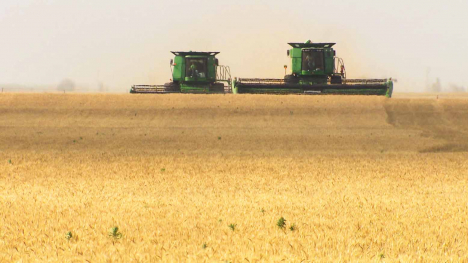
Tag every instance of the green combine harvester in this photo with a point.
(315, 70)
(192, 72)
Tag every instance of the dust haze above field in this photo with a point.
(108, 46)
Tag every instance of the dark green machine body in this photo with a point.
(312, 63)
(195, 72)
(315, 69)
(192, 72)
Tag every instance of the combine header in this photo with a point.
(315, 70)
(192, 72)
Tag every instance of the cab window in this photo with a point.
(195, 67)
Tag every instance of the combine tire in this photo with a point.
(217, 88)
(291, 79)
(336, 80)
(171, 87)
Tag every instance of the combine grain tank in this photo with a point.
(192, 72)
(315, 70)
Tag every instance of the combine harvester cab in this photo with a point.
(315, 70)
(192, 72)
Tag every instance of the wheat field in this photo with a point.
(195, 178)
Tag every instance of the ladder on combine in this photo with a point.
(339, 67)
(223, 74)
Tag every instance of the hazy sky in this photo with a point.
(121, 42)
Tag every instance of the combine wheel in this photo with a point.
(217, 88)
(336, 80)
(291, 79)
(171, 87)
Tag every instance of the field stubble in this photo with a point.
(361, 178)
